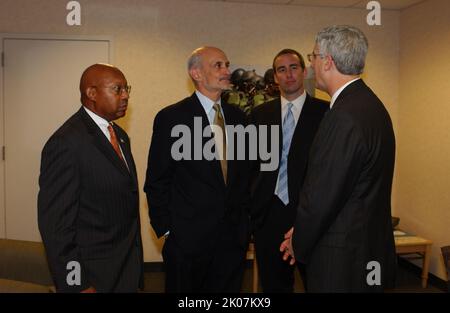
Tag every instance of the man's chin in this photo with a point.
(226, 88)
(120, 114)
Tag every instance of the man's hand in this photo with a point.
(286, 247)
(89, 290)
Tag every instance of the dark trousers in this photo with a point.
(275, 274)
(219, 269)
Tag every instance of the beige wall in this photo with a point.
(152, 40)
(423, 140)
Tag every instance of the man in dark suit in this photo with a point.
(199, 204)
(275, 193)
(343, 230)
(88, 205)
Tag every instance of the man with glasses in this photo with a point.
(88, 205)
(343, 230)
(275, 194)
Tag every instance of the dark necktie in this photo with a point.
(221, 146)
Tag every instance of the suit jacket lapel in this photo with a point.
(101, 142)
(277, 121)
(198, 110)
(272, 117)
(302, 120)
(297, 157)
(126, 149)
(231, 165)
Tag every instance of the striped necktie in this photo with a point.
(288, 130)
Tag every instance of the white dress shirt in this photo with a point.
(103, 125)
(297, 106)
(207, 105)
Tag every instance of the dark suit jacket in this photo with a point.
(264, 182)
(344, 215)
(88, 208)
(189, 198)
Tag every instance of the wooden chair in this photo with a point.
(446, 254)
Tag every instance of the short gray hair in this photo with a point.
(347, 45)
(195, 58)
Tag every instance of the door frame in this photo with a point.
(50, 37)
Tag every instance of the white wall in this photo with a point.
(154, 38)
(423, 140)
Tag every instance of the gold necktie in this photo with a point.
(221, 146)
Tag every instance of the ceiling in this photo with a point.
(385, 4)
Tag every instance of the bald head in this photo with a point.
(95, 74)
(195, 59)
(103, 91)
(209, 70)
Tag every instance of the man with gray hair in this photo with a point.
(200, 205)
(343, 230)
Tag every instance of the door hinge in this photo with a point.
(3, 153)
(3, 59)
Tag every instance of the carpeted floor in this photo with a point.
(407, 282)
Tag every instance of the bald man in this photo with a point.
(199, 205)
(88, 205)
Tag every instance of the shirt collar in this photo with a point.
(297, 104)
(100, 121)
(206, 103)
(338, 92)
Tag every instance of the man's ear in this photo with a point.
(329, 63)
(195, 74)
(91, 93)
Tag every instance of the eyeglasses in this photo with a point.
(313, 55)
(120, 89)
